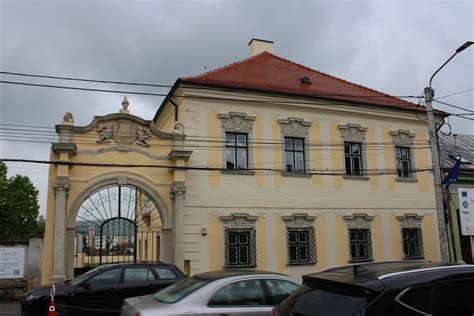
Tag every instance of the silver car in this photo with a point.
(237, 292)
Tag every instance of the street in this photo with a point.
(10, 309)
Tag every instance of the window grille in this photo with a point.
(301, 246)
(360, 245)
(353, 158)
(240, 248)
(412, 243)
(403, 162)
(236, 151)
(294, 154)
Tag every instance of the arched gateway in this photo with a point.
(114, 195)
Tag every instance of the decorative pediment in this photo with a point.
(410, 220)
(298, 220)
(294, 127)
(239, 220)
(237, 122)
(358, 220)
(402, 137)
(352, 132)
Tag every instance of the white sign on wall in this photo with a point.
(12, 262)
(466, 210)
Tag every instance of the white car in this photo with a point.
(235, 292)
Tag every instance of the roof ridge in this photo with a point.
(225, 67)
(340, 79)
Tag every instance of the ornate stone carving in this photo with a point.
(237, 122)
(178, 188)
(294, 127)
(352, 132)
(61, 186)
(402, 137)
(239, 220)
(358, 220)
(298, 220)
(143, 135)
(105, 133)
(123, 132)
(410, 220)
(68, 119)
(125, 105)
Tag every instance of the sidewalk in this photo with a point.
(10, 309)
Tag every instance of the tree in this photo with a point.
(18, 206)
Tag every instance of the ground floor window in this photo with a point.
(360, 245)
(412, 243)
(301, 246)
(240, 248)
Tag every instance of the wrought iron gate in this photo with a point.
(118, 223)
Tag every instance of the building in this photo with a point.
(263, 164)
(453, 148)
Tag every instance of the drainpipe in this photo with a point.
(175, 110)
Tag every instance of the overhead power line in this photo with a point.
(162, 85)
(454, 106)
(329, 172)
(453, 94)
(203, 97)
(86, 80)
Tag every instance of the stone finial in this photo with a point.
(125, 105)
(68, 119)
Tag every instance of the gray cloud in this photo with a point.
(391, 46)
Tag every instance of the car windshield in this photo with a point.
(179, 290)
(326, 300)
(85, 276)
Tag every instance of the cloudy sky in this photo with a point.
(391, 46)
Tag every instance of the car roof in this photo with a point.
(221, 274)
(137, 264)
(374, 276)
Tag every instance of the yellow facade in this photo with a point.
(266, 201)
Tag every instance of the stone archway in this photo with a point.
(132, 182)
(107, 152)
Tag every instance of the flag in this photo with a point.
(453, 174)
(52, 307)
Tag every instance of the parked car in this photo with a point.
(103, 288)
(216, 293)
(386, 288)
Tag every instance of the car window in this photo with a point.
(330, 300)
(279, 290)
(108, 277)
(132, 275)
(454, 297)
(165, 273)
(243, 293)
(179, 290)
(414, 301)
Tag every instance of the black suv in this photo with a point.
(385, 288)
(102, 289)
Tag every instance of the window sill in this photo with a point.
(296, 174)
(239, 172)
(300, 264)
(360, 261)
(407, 180)
(414, 258)
(362, 178)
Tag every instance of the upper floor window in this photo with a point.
(353, 158)
(403, 162)
(236, 151)
(294, 154)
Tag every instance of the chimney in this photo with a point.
(258, 45)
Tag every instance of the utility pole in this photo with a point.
(442, 229)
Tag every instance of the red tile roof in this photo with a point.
(270, 73)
